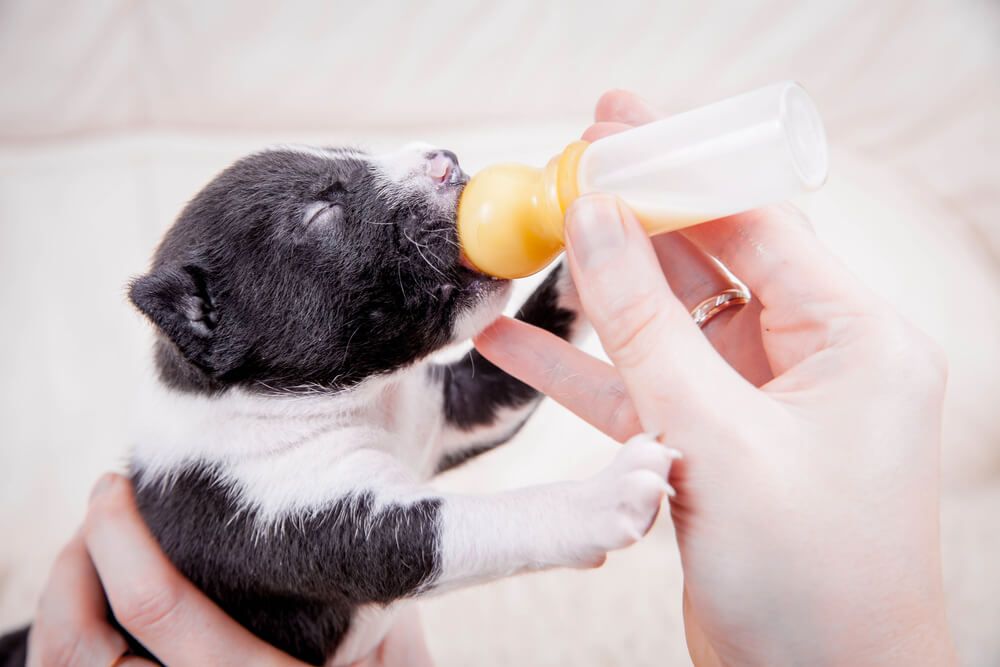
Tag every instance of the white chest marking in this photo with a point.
(285, 454)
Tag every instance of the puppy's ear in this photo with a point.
(178, 300)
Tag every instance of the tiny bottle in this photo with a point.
(760, 147)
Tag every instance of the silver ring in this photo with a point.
(713, 305)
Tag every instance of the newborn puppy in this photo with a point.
(284, 468)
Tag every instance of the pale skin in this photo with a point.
(807, 499)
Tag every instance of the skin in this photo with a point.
(807, 499)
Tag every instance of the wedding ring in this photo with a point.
(713, 305)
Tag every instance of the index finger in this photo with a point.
(672, 373)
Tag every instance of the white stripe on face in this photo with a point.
(402, 164)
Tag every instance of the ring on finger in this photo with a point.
(715, 304)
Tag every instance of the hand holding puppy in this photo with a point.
(155, 603)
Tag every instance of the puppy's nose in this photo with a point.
(443, 167)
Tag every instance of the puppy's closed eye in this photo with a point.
(319, 217)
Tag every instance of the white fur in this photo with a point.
(316, 151)
(473, 320)
(569, 524)
(400, 165)
(285, 454)
(404, 171)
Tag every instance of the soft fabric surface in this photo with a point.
(113, 115)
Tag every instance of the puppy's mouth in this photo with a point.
(471, 285)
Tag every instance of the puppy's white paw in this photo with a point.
(622, 501)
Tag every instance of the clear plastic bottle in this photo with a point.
(746, 151)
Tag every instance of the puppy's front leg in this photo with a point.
(569, 524)
(482, 405)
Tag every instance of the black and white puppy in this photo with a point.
(284, 468)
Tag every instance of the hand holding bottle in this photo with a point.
(807, 506)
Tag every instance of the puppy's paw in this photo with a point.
(621, 502)
(555, 306)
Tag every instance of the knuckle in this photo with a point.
(149, 608)
(633, 328)
(64, 650)
(623, 421)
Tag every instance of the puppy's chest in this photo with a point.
(280, 455)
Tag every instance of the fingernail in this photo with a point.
(594, 227)
(102, 485)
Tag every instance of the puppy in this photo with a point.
(285, 466)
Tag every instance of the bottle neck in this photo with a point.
(561, 187)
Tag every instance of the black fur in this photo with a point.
(14, 648)
(247, 289)
(475, 389)
(294, 583)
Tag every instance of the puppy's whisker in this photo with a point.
(444, 238)
(423, 256)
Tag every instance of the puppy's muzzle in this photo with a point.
(442, 166)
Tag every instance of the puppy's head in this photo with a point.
(323, 267)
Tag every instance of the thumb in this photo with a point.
(670, 369)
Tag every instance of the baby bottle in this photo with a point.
(760, 147)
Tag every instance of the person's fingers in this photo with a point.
(133, 661)
(155, 602)
(603, 129)
(404, 646)
(671, 371)
(803, 288)
(617, 111)
(70, 626)
(586, 386)
(694, 276)
(623, 106)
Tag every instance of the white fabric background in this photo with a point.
(113, 113)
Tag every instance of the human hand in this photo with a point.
(155, 603)
(807, 502)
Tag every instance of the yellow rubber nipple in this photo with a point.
(510, 216)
